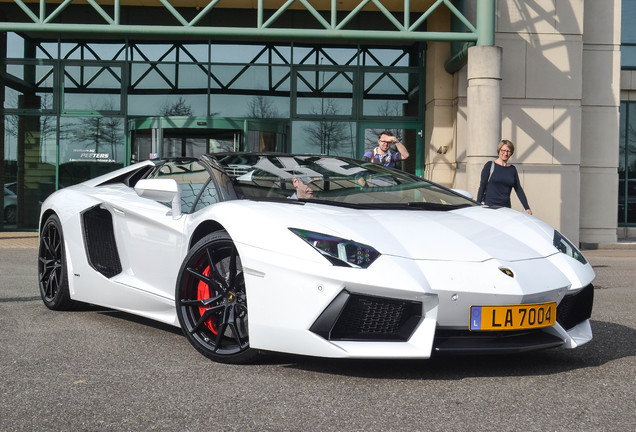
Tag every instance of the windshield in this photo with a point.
(334, 180)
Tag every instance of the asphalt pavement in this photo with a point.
(96, 369)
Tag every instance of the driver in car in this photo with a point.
(305, 184)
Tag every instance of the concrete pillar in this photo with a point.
(484, 110)
(600, 135)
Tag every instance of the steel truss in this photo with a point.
(405, 23)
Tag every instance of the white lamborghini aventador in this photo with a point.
(312, 254)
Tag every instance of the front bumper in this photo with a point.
(367, 318)
(417, 310)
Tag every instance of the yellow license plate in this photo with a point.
(512, 317)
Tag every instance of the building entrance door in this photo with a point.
(169, 137)
(189, 143)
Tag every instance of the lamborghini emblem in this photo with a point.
(507, 272)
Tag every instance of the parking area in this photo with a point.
(98, 369)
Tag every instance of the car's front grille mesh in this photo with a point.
(366, 317)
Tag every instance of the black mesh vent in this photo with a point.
(366, 317)
(576, 308)
(100, 244)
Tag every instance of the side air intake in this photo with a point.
(99, 240)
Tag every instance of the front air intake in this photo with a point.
(364, 317)
(575, 308)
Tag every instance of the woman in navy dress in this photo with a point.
(498, 178)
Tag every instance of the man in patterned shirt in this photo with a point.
(383, 154)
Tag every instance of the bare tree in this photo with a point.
(261, 107)
(113, 135)
(102, 134)
(178, 108)
(329, 135)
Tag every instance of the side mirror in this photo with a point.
(162, 190)
(464, 193)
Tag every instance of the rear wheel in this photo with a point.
(211, 300)
(52, 272)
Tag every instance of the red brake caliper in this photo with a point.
(203, 293)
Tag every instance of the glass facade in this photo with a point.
(627, 145)
(72, 109)
(627, 166)
(628, 34)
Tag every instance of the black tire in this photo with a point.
(52, 272)
(211, 301)
(9, 215)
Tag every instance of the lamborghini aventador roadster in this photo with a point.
(315, 255)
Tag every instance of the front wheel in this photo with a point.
(211, 300)
(52, 271)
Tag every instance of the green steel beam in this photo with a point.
(329, 28)
(351, 35)
(485, 35)
(486, 22)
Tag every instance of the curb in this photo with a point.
(20, 240)
(627, 245)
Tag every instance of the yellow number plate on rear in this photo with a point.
(512, 317)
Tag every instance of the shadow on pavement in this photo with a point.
(611, 342)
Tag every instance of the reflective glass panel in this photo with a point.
(228, 53)
(627, 165)
(41, 77)
(157, 76)
(384, 57)
(30, 179)
(628, 34)
(324, 137)
(153, 52)
(15, 45)
(194, 52)
(162, 104)
(324, 93)
(193, 76)
(249, 106)
(90, 146)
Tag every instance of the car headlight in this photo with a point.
(565, 246)
(338, 251)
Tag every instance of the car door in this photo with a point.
(152, 242)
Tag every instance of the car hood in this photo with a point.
(472, 234)
(468, 234)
